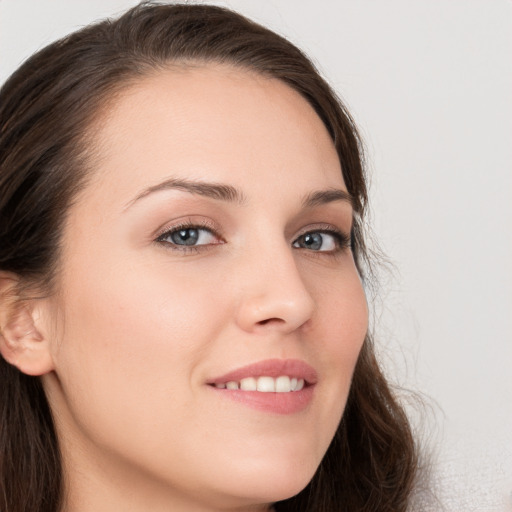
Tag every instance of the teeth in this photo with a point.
(283, 384)
(248, 384)
(266, 385)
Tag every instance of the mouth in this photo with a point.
(282, 386)
(265, 384)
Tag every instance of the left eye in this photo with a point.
(188, 236)
(317, 241)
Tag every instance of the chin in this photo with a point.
(285, 488)
(271, 484)
(272, 471)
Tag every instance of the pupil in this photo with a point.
(187, 236)
(313, 241)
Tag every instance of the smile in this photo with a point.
(265, 384)
(276, 386)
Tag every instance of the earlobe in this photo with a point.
(21, 343)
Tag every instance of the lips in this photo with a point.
(282, 386)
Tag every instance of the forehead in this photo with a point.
(213, 122)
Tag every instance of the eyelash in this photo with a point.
(342, 240)
(187, 248)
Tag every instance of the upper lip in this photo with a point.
(271, 368)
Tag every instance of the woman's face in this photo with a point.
(210, 247)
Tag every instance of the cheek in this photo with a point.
(123, 305)
(132, 340)
(349, 320)
(341, 327)
(342, 315)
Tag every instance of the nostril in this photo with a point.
(273, 309)
(269, 320)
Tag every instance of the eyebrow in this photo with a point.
(228, 193)
(217, 191)
(330, 195)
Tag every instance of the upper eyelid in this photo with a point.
(323, 227)
(186, 224)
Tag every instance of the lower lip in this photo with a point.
(277, 403)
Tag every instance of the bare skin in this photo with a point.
(142, 324)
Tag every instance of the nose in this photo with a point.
(273, 294)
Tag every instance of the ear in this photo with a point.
(22, 344)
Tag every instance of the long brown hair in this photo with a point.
(46, 109)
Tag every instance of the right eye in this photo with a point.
(188, 237)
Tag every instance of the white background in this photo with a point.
(430, 84)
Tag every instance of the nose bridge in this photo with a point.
(273, 292)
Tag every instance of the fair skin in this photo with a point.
(140, 328)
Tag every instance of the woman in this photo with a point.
(183, 322)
